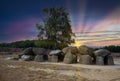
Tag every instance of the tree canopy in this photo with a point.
(56, 26)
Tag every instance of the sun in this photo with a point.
(78, 43)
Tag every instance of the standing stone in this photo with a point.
(70, 58)
(85, 59)
(49, 58)
(54, 58)
(110, 60)
(99, 60)
(39, 58)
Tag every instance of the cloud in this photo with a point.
(98, 33)
(20, 30)
(112, 19)
(104, 43)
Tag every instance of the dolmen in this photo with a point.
(103, 57)
(69, 55)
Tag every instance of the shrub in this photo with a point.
(49, 44)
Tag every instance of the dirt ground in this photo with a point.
(13, 70)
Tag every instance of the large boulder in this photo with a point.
(84, 50)
(47, 51)
(39, 58)
(85, 59)
(70, 49)
(102, 52)
(28, 51)
(70, 58)
(27, 57)
(54, 52)
(39, 51)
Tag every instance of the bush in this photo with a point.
(49, 44)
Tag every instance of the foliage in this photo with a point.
(48, 44)
(113, 48)
(19, 44)
(56, 27)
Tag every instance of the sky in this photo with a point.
(95, 22)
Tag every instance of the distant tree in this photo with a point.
(113, 48)
(56, 26)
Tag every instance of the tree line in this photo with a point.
(48, 44)
(19, 44)
(113, 48)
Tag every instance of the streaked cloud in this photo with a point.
(20, 30)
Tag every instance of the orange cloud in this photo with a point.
(104, 43)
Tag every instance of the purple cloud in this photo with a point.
(21, 30)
